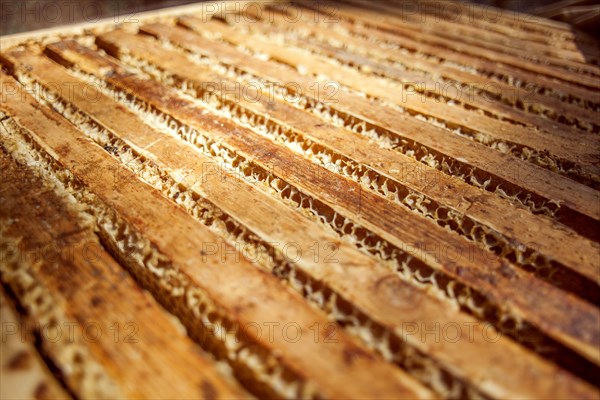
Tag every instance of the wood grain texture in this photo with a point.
(527, 177)
(274, 217)
(226, 281)
(495, 277)
(359, 285)
(102, 306)
(489, 210)
(24, 374)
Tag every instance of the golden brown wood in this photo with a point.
(399, 27)
(356, 284)
(565, 149)
(487, 67)
(23, 373)
(489, 210)
(493, 42)
(336, 44)
(496, 278)
(512, 24)
(96, 302)
(308, 230)
(527, 177)
(237, 290)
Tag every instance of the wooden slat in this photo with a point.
(380, 89)
(472, 62)
(516, 25)
(375, 20)
(452, 18)
(237, 288)
(561, 145)
(249, 169)
(495, 43)
(497, 279)
(490, 210)
(119, 324)
(355, 284)
(566, 149)
(489, 90)
(23, 372)
(95, 25)
(527, 177)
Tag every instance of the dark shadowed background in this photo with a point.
(25, 15)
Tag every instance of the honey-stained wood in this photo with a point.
(492, 212)
(495, 93)
(481, 65)
(389, 220)
(356, 285)
(93, 303)
(24, 372)
(372, 16)
(276, 200)
(269, 302)
(528, 178)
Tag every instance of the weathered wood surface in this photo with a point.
(93, 302)
(25, 375)
(276, 217)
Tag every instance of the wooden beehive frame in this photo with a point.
(316, 214)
